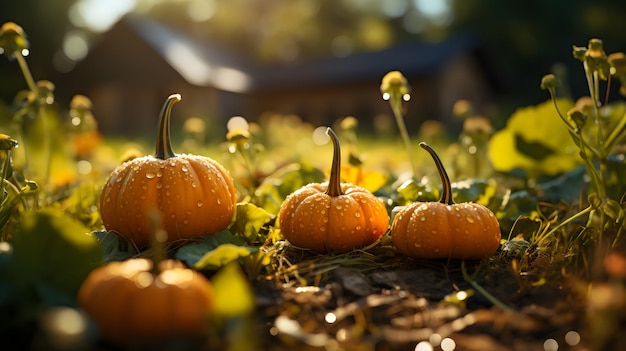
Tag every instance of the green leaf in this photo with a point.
(55, 250)
(284, 181)
(249, 220)
(193, 253)
(535, 140)
(412, 191)
(221, 256)
(473, 190)
(233, 296)
(115, 248)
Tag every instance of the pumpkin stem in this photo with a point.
(164, 143)
(157, 251)
(446, 186)
(334, 183)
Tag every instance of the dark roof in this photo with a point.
(204, 63)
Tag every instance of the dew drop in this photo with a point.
(423, 219)
(200, 203)
(159, 174)
(323, 211)
(186, 221)
(357, 215)
(358, 227)
(219, 201)
(470, 219)
(322, 228)
(159, 185)
(184, 169)
(193, 184)
(150, 174)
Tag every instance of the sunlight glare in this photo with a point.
(237, 122)
(99, 15)
(424, 346)
(572, 338)
(319, 136)
(438, 11)
(201, 10)
(75, 45)
(550, 345)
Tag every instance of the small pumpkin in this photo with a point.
(445, 229)
(194, 195)
(139, 302)
(332, 216)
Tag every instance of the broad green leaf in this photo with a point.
(473, 190)
(193, 253)
(412, 191)
(370, 180)
(55, 250)
(221, 256)
(233, 296)
(249, 220)
(275, 188)
(535, 140)
(115, 249)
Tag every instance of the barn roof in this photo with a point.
(204, 63)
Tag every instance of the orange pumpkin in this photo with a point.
(135, 304)
(332, 216)
(194, 195)
(445, 229)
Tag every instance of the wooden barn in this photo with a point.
(139, 62)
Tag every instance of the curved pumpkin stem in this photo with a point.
(446, 186)
(334, 182)
(164, 143)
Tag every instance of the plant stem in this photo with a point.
(482, 290)
(395, 100)
(26, 72)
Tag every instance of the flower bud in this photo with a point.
(12, 39)
(549, 82)
(578, 117)
(394, 84)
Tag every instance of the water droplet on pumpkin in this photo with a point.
(322, 228)
(219, 201)
(159, 185)
(193, 184)
(470, 219)
(339, 207)
(150, 174)
(423, 219)
(184, 169)
(199, 203)
(159, 174)
(186, 221)
(357, 215)
(358, 227)
(323, 211)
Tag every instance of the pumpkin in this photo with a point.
(445, 229)
(140, 302)
(194, 195)
(332, 216)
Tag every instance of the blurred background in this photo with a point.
(320, 59)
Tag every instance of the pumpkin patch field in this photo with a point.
(279, 234)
